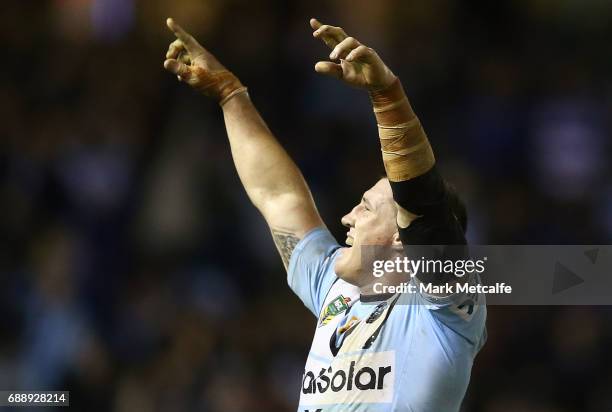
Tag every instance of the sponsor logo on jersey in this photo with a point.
(338, 305)
(362, 378)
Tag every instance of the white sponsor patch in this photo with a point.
(359, 378)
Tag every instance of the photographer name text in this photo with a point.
(444, 289)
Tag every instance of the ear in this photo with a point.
(397, 241)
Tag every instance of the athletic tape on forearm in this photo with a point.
(406, 152)
(221, 85)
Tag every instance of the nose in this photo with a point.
(348, 220)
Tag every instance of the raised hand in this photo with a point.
(358, 65)
(197, 67)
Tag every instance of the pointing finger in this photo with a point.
(188, 41)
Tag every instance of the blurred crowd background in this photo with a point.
(136, 274)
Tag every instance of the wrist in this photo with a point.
(384, 85)
(406, 152)
(236, 95)
(391, 106)
(220, 85)
(390, 93)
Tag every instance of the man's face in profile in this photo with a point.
(371, 222)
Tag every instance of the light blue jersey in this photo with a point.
(408, 352)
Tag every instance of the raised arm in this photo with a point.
(424, 203)
(271, 179)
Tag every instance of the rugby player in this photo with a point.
(374, 352)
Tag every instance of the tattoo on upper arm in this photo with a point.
(285, 243)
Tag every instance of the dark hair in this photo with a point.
(457, 205)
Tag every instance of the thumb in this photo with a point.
(178, 68)
(329, 69)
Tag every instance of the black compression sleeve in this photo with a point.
(426, 196)
(421, 195)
